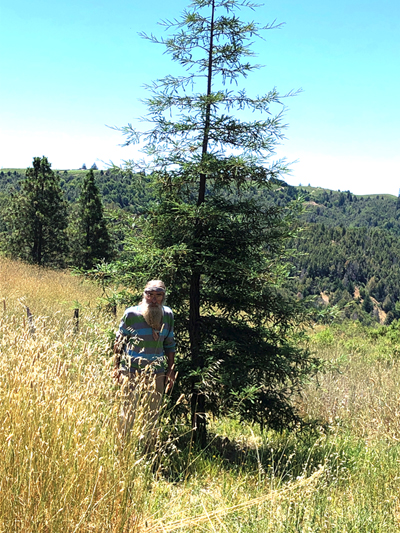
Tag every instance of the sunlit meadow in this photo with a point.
(65, 468)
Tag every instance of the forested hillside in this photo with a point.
(336, 208)
(347, 267)
(349, 247)
(349, 254)
(333, 208)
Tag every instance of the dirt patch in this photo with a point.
(311, 202)
(377, 308)
(324, 297)
(381, 312)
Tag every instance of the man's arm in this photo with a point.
(170, 360)
(169, 350)
(120, 342)
(170, 374)
(118, 349)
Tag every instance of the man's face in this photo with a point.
(154, 299)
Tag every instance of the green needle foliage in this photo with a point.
(220, 251)
(37, 218)
(90, 240)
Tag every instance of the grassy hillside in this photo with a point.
(321, 190)
(64, 467)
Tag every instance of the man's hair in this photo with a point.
(156, 283)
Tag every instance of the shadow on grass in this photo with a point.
(281, 456)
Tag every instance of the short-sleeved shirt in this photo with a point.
(141, 348)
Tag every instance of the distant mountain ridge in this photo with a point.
(343, 206)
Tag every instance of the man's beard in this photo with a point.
(152, 314)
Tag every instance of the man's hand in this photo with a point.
(117, 375)
(170, 377)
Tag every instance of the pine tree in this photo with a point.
(220, 251)
(38, 217)
(90, 240)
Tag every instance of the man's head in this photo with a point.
(153, 299)
(154, 292)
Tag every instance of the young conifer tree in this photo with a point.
(220, 251)
(38, 217)
(90, 240)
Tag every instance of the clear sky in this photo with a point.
(69, 68)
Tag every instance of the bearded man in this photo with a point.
(144, 354)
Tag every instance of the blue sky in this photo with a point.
(70, 68)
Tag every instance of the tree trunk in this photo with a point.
(40, 244)
(199, 426)
(198, 402)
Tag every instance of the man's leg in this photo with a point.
(156, 392)
(130, 399)
(152, 411)
(143, 393)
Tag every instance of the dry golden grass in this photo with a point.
(42, 288)
(360, 389)
(64, 467)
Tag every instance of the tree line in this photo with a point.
(344, 245)
(38, 226)
(118, 189)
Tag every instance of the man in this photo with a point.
(144, 341)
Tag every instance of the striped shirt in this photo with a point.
(141, 349)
